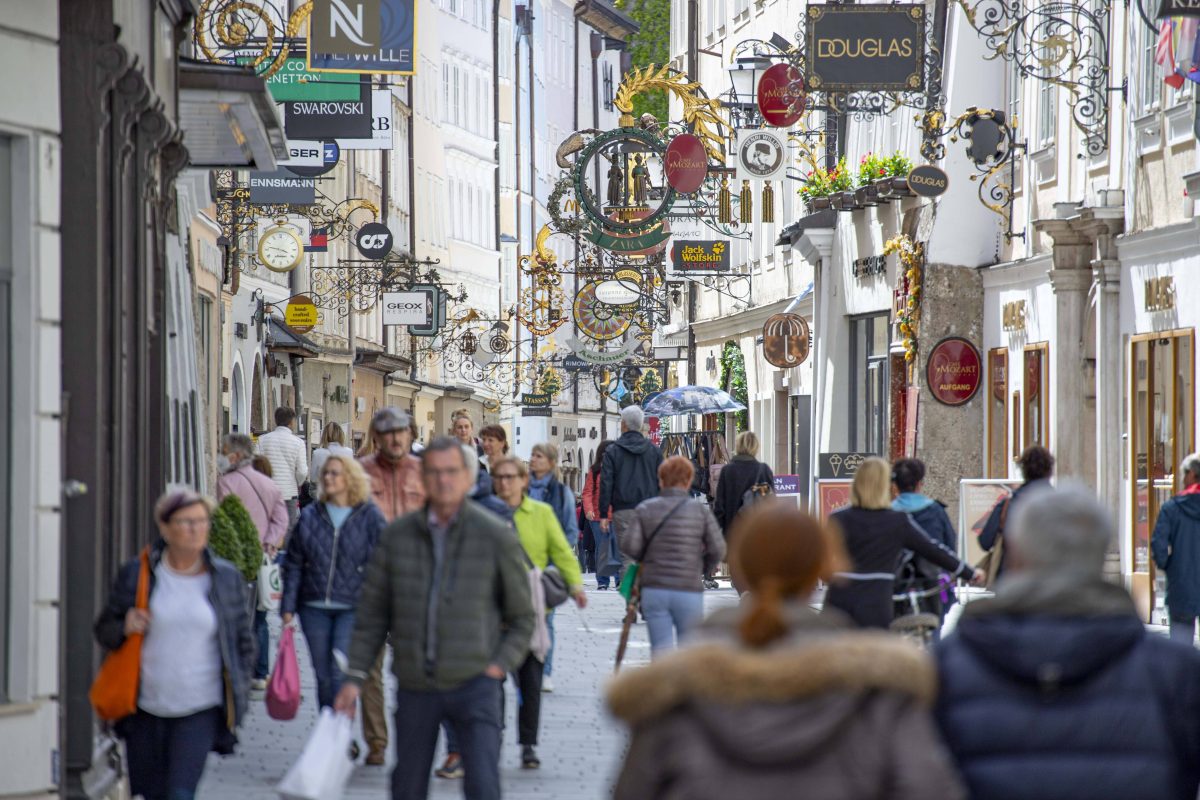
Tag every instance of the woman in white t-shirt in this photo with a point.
(197, 654)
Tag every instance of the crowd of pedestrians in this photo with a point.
(1050, 687)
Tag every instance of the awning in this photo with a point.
(826, 218)
(282, 339)
(604, 17)
(384, 363)
(228, 117)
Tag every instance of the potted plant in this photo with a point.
(822, 186)
(234, 537)
(892, 183)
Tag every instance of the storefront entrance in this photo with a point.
(1161, 433)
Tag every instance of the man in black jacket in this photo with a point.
(1053, 688)
(629, 473)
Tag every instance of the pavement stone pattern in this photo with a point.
(581, 745)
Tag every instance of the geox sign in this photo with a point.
(362, 36)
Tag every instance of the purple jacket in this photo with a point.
(262, 500)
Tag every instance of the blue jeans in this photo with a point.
(548, 667)
(167, 755)
(326, 630)
(473, 711)
(262, 633)
(1183, 629)
(670, 615)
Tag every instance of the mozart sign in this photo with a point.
(953, 371)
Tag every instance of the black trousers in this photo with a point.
(166, 755)
(529, 699)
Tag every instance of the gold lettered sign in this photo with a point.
(301, 314)
(1160, 293)
(1014, 316)
(865, 48)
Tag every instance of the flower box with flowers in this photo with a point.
(881, 172)
(822, 185)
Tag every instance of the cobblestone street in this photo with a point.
(581, 746)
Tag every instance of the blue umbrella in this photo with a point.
(691, 400)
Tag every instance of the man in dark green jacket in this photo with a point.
(449, 584)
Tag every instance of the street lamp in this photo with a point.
(744, 74)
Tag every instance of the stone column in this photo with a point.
(1071, 278)
(816, 247)
(1106, 279)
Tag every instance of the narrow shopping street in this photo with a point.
(581, 745)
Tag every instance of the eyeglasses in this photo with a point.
(506, 476)
(190, 523)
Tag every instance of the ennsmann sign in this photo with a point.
(854, 48)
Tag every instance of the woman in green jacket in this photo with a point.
(544, 543)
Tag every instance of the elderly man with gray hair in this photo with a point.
(1176, 548)
(1054, 688)
(629, 473)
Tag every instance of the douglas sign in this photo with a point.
(853, 48)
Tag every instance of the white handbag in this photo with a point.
(270, 585)
(324, 766)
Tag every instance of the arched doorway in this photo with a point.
(237, 405)
(258, 419)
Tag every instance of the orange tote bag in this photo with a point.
(114, 692)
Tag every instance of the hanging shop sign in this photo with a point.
(281, 187)
(311, 159)
(785, 340)
(686, 163)
(598, 320)
(381, 124)
(781, 99)
(761, 155)
(301, 314)
(618, 292)
(840, 465)
(1178, 8)
(865, 48)
(294, 81)
(373, 240)
(408, 308)
(573, 363)
(437, 301)
(953, 371)
(601, 357)
(362, 36)
(700, 256)
(535, 404)
(329, 119)
(928, 180)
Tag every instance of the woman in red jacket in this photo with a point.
(607, 557)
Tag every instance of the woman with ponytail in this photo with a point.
(774, 700)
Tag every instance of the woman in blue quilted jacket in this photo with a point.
(326, 562)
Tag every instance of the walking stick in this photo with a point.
(626, 625)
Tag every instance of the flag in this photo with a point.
(1164, 51)
(318, 241)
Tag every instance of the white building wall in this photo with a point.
(29, 676)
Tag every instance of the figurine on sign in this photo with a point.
(616, 184)
(641, 180)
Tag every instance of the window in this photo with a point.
(997, 413)
(6, 382)
(1149, 86)
(1047, 111)
(869, 341)
(504, 53)
(1037, 395)
(1162, 433)
(1016, 88)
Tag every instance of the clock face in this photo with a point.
(280, 250)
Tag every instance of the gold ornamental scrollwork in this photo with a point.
(702, 115)
(238, 26)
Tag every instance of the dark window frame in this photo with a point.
(874, 430)
(6, 403)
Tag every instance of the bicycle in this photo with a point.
(919, 626)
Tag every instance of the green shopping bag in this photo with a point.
(628, 581)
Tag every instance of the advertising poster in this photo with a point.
(831, 495)
(976, 499)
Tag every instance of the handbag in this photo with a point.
(283, 690)
(324, 765)
(990, 563)
(759, 489)
(630, 580)
(114, 692)
(270, 585)
(554, 585)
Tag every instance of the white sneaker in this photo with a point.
(258, 685)
(547, 684)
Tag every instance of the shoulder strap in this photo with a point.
(143, 585)
(1003, 516)
(261, 502)
(658, 527)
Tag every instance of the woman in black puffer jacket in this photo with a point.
(326, 562)
(741, 474)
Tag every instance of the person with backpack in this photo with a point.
(675, 539)
(742, 481)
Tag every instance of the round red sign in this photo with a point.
(687, 163)
(953, 371)
(781, 97)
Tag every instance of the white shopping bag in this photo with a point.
(270, 585)
(324, 766)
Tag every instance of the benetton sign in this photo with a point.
(1178, 8)
(855, 48)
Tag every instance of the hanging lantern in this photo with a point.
(725, 202)
(768, 202)
(746, 204)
